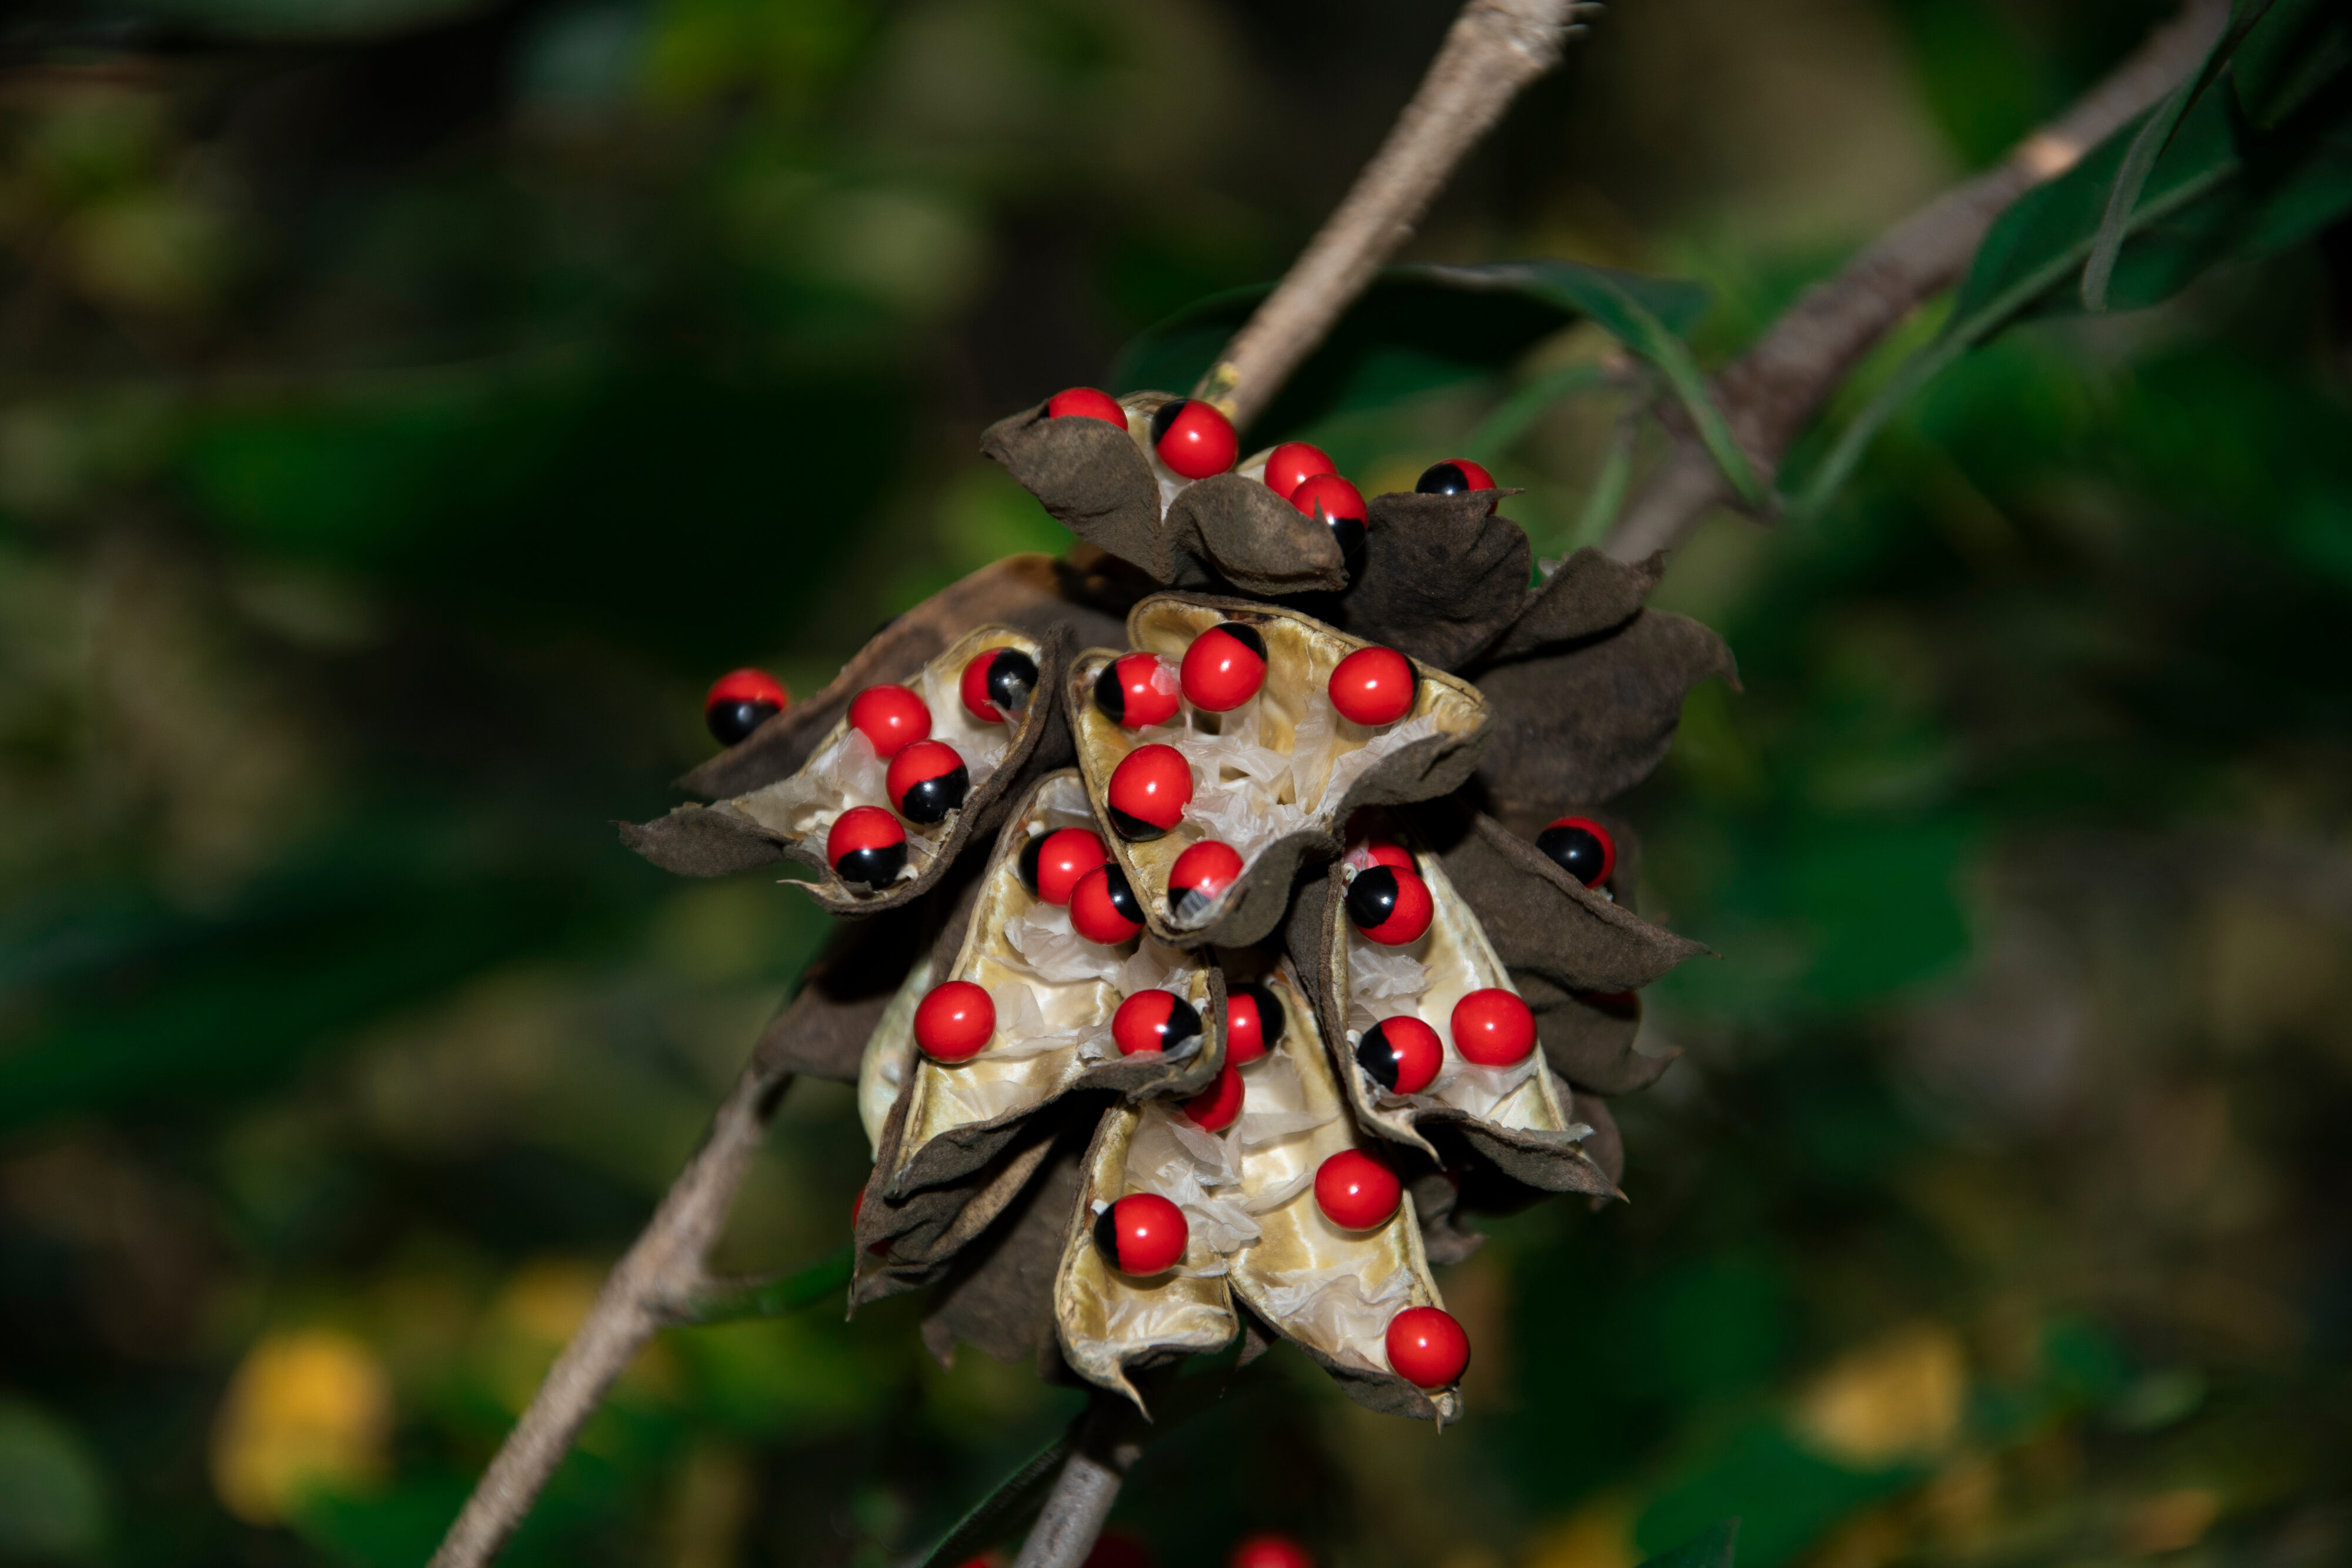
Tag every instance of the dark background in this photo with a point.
(407, 406)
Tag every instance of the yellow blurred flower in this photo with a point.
(1897, 1398)
(308, 1409)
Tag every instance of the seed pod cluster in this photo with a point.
(1304, 930)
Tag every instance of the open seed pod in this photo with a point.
(1274, 778)
(1329, 1291)
(1444, 578)
(1030, 592)
(1112, 1321)
(947, 1156)
(789, 818)
(1117, 495)
(1519, 1116)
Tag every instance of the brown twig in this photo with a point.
(1770, 392)
(1072, 1519)
(657, 1282)
(1495, 48)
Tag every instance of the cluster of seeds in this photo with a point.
(1387, 900)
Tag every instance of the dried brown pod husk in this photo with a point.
(1329, 1292)
(1031, 593)
(1537, 919)
(999, 1295)
(787, 820)
(1521, 1119)
(822, 1031)
(1589, 1038)
(1293, 824)
(1588, 720)
(1116, 496)
(1442, 579)
(949, 1154)
(1587, 595)
(1112, 1325)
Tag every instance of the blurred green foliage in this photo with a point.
(411, 403)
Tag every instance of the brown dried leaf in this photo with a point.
(1031, 593)
(822, 1030)
(1591, 720)
(1253, 539)
(1587, 595)
(1588, 1036)
(1095, 480)
(999, 1297)
(1538, 919)
(1443, 578)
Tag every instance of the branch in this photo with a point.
(1073, 1516)
(661, 1279)
(1495, 48)
(1770, 393)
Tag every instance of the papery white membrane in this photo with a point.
(1275, 1197)
(1480, 1090)
(843, 774)
(981, 745)
(1051, 951)
(1274, 1108)
(1355, 764)
(1154, 966)
(1332, 1307)
(1021, 1029)
(1160, 1160)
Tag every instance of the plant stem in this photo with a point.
(1495, 48)
(1072, 1520)
(1770, 392)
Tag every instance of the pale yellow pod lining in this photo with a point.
(1069, 1028)
(1424, 980)
(1281, 763)
(1107, 1321)
(1333, 1291)
(843, 771)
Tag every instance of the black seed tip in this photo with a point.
(1247, 636)
(733, 723)
(1575, 851)
(1349, 534)
(1374, 1055)
(1270, 1020)
(1165, 415)
(1121, 895)
(1372, 897)
(1012, 676)
(931, 800)
(1134, 829)
(1106, 1236)
(1442, 479)
(1031, 853)
(1183, 1024)
(871, 868)
(1109, 696)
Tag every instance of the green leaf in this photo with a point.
(1417, 330)
(2294, 51)
(1524, 407)
(775, 1297)
(1624, 315)
(985, 1522)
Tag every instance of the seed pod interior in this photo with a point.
(1330, 1291)
(1282, 769)
(1112, 1323)
(1524, 1105)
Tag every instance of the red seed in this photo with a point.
(1254, 1023)
(1427, 1348)
(1292, 463)
(1137, 689)
(1154, 1020)
(1103, 908)
(866, 844)
(954, 1021)
(1401, 1053)
(1193, 439)
(1141, 1234)
(740, 701)
(1379, 851)
(1201, 874)
(1390, 905)
(1373, 687)
(1219, 1105)
(927, 781)
(1455, 476)
(1580, 847)
(1224, 667)
(1357, 1192)
(1149, 792)
(892, 716)
(995, 682)
(1053, 863)
(1270, 1551)
(1086, 402)
(1493, 1028)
